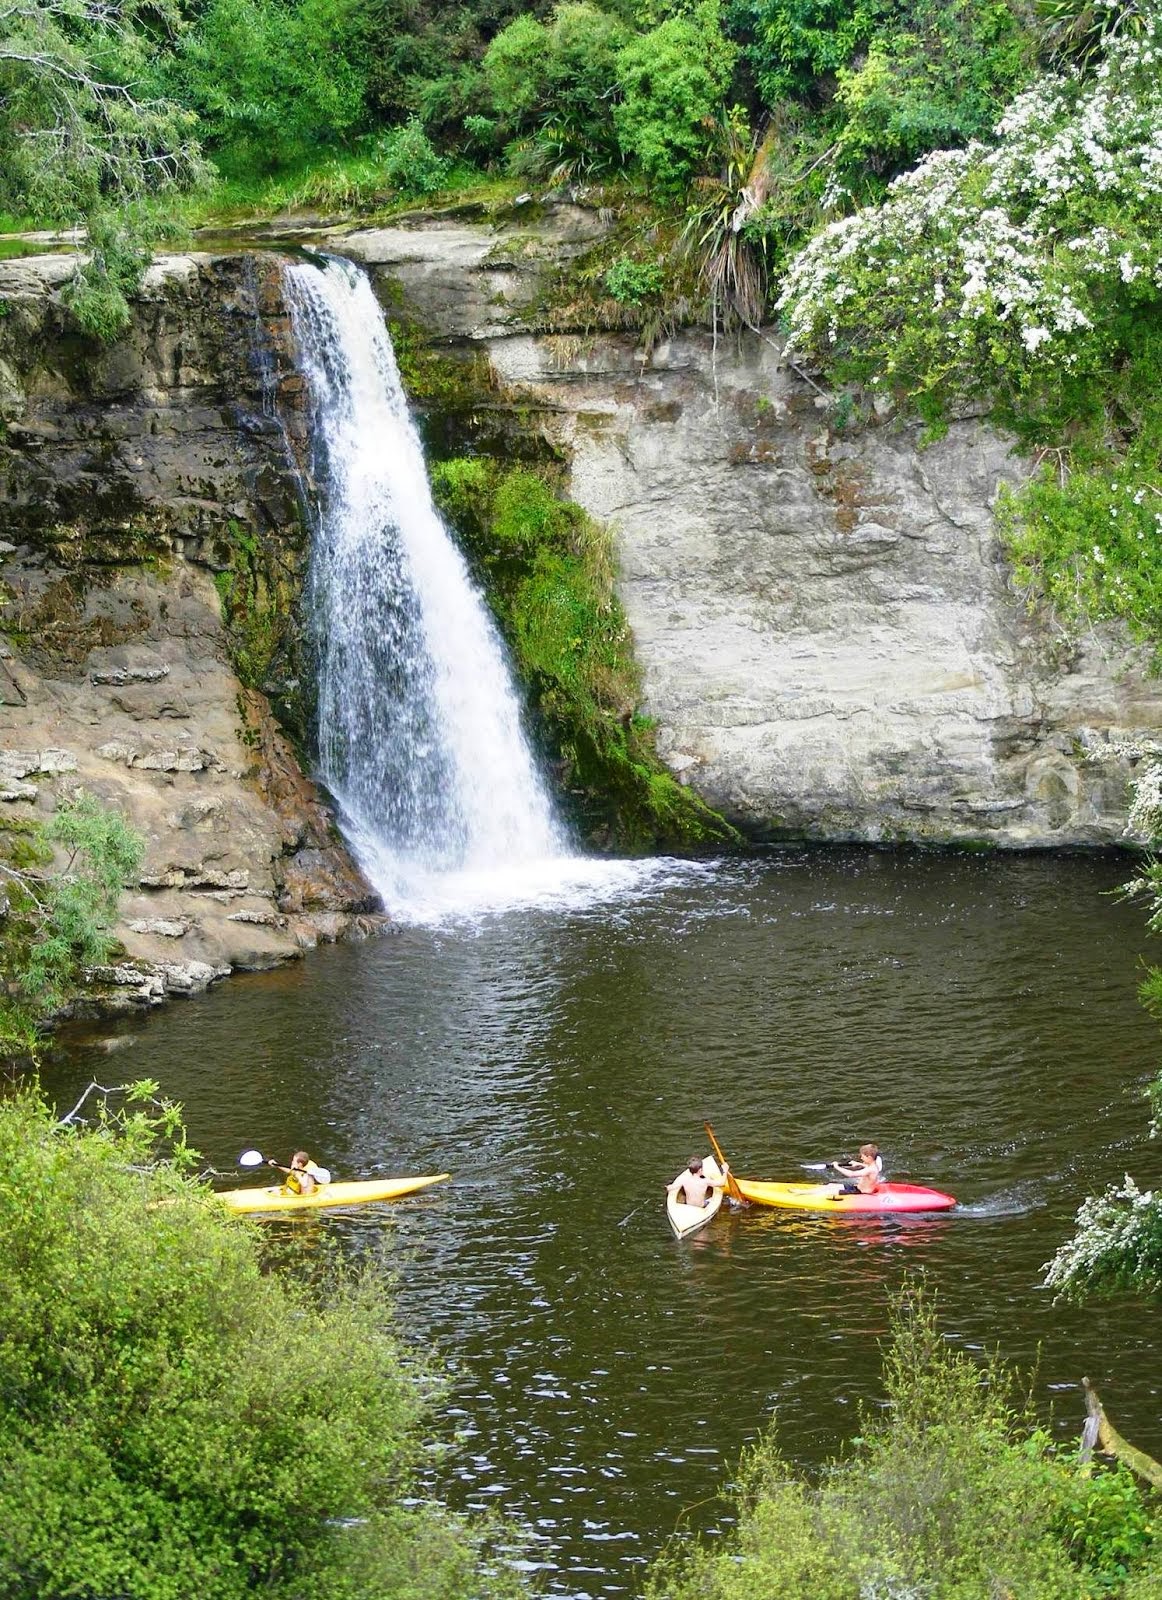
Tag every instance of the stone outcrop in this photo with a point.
(830, 641)
(149, 512)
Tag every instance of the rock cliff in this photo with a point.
(151, 549)
(830, 642)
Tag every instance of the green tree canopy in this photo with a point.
(672, 82)
(272, 83)
(85, 141)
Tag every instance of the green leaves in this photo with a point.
(68, 913)
(175, 1419)
(672, 82)
(271, 83)
(949, 1493)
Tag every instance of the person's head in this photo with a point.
(868, 1152)
(696, 1166)
(300, 1158)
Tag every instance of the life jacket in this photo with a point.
(294, 1178)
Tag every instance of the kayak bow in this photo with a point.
(686, 1219)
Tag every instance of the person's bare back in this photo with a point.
(693, 1187)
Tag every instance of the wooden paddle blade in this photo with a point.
(732, 1188)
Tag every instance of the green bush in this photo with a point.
(672, 81)
(794, 46)
(633, 282)
(174, 1419)
(554, 83)
(937, 78)
(1106, 1525)
(410, 162)
(948, 1494)
(60, 917)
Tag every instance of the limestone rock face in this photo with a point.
(830, 641)
(139, 485)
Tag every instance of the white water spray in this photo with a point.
(420, 737)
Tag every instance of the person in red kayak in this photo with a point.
(693, 1187)
(865, 1175)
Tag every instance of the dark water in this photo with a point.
(976, 1016)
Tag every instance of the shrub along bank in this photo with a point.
(60, 883)
(949, 1493)
(175, 1420)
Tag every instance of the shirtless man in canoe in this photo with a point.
(693, 1187)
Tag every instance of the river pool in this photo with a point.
(976, 1015)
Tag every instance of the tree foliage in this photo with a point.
(78, 133)
(83, 140)
(271, 83)
(949, 1493)
(555, 83)
(60, 914)
(174, 1419)
(672, 82)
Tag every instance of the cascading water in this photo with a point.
(420, 737)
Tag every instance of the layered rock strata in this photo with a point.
(150, 537)
(830, 640)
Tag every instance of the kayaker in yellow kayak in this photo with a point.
(694, 1186)
(865, 1174)
(302, 1176)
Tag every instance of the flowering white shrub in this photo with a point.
(992, 268)
(1118, 1243)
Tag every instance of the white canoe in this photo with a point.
(686, 1219)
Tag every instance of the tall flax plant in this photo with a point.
(731, 258)
(767, 198)
(1079, 31)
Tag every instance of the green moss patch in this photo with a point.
(259, 584)
(547, 569)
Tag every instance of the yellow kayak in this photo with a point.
(277, 1198)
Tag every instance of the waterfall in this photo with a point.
(419, 725)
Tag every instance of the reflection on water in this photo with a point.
(976, 1017)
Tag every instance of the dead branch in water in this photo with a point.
(1100, 1431)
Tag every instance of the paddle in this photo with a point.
(255, 1158)
(732, 1187)
(829, 1166)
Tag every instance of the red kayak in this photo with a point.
(817, 1197)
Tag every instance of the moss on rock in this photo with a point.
(547, 569)
(259, 583)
